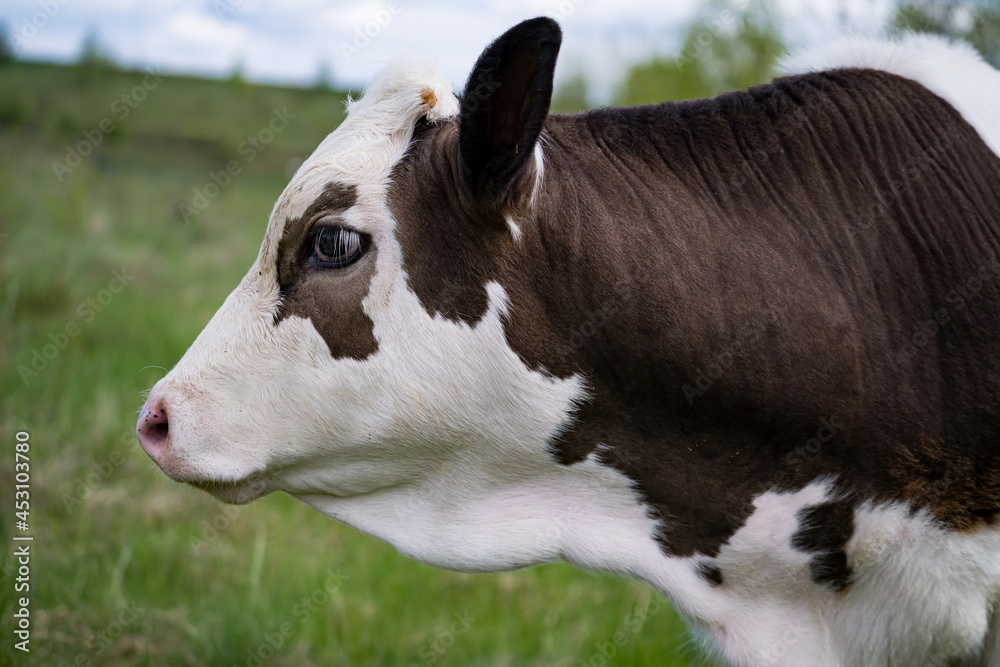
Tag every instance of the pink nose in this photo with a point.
(152, 428)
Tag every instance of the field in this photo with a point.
(111, 262)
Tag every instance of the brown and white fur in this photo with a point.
(514, 371)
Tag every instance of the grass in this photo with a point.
(129, 568)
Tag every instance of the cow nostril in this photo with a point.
(159, 431)
(153, 428)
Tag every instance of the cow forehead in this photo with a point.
(362, 152)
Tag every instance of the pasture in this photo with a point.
(110, 265)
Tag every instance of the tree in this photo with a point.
(726, 49)
(975, 21)
(238, 78)
(324, 76)
(93, 55)
(7, 53)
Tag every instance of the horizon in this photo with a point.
(347, 43)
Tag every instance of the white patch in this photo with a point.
(953, 71)
(936, 590)
(921, 595)
(765, 611)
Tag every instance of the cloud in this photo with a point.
(188, 29)
(287, 41)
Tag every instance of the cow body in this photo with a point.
(742, 348)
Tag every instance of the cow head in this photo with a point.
(325, 375)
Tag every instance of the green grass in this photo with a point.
(130, 568)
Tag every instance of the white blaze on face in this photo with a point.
(442, 412)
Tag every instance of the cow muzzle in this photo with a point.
(154, 432)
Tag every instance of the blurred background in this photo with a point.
(122, 231)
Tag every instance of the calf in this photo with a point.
(744, 349)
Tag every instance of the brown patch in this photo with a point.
(729, 273)
(448, 255)
(428, 97)
(330, 298)
(961, 488)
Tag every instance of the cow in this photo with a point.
(744, 349)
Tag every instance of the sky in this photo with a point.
(298, 41)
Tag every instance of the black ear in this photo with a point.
(505, 103)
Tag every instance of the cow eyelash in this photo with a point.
(337, 247)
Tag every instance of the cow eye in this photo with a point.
(336, 247)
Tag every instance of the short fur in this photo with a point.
(743, 349)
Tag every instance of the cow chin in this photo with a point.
(228, 478)
(236, 493)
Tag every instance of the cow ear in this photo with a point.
(504, 106)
